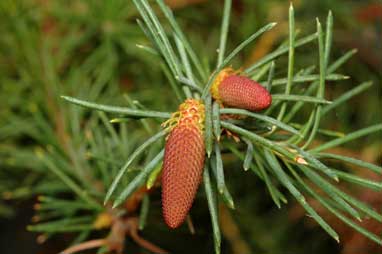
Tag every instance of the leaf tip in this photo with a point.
(291, 6)
(115, 204)
(105, 200)
(318, 23)
(301, 160)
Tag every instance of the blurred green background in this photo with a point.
(88, 48)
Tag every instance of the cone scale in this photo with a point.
(234, 90)
(183, 161)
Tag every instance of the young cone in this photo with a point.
(183, 161)
(237, 91)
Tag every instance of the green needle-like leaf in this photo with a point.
(159, 31)
(153, 176)
(350, 160)
(148, 49)
(226, 195)
(258, 139)
(377, 186)
(144, 211)
(289, 84)
(270, 76)
(133, 105)
(69, 182)
(242, 45)
(328, 38)
(278, 52)
(185, 61)
(139, 179)
(261, 72)
(224, 30)
(333, 67)
(340, 61)
(189, 83)
(135, 113)
(346, 96)
(286, 181)
(157, 36)
(335, 212)
(64, 225)
(208, 125)
(133, 156)
(261, 117)
(330, 190)
(170, 17)
(216, 120)
(219, 169)
(359, 205)
(241, 156)
(321, 85)
(212, 206)
(315, 163)
(229, 58)
(248, 155)
(276, 195)
(308, 78)
(175, 87)
(302, 98)
(349, 137)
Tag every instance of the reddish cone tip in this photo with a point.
(240, 92)
(183, 162)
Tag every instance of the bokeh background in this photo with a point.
(88, 47)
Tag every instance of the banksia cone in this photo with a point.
(234, 90)
(183, 161)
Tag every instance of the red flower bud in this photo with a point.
(183, 161)
(237, 91)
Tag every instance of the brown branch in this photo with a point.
(85, 246)
(146, 244)
(132, 230)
